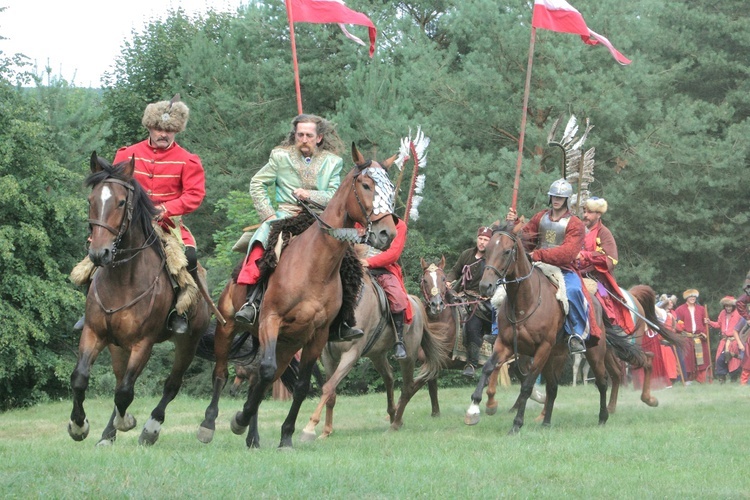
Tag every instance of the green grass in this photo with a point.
(691, 446)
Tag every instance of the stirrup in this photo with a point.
(248, 314)
(345, 333)
(177, 323)
(576, 345)
(399, 351)
(468, 371)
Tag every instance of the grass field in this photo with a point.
(692, 446)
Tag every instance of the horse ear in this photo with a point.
(387, 163)
(94, 163)
(356, 155)
(129, 168)
(423, 263)
(441, 264)
(519, 225)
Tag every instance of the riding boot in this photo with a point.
(472, 354)
(399, 349)
(490, 339)
(79, 324)
(576, 345)
(250, 310)
(344, 333)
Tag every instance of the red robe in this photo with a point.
(172, 178)
(562, 256)
(695, 370)
(388, 260)
(599, 258)
(727, 323)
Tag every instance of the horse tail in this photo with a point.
(646, 296)
(626, 350)
(243, 349)
(435, 351)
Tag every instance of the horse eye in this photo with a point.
(121, 204)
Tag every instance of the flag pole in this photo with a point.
(294, 56)
(523, 118)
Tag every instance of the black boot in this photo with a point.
(344, 333)
(399, 349)
(177, 323)
(472, 354)
(250, 310)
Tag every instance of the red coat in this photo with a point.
(599, 257)
(685, 324)
(388, 260)
(172, 177)
(562, 256)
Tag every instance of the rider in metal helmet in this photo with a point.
(560, 188)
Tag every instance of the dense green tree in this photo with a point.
(40, 221)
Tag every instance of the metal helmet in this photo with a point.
(561, 188)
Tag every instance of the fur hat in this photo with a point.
(595, 204)
(690, 292)
(728, 301)
(484, 231)
(170, 116)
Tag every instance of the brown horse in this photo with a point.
(128, 301)
(444, 315)
(529, 322)
(340, 357)
(303, 297)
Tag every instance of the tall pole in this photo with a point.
(523, 118)
(294, 56)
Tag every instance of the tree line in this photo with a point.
(670, 133)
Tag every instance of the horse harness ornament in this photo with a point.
(382, 204)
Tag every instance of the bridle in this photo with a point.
(119, 233)
(344, 233)
(502, 280)
(124, 224)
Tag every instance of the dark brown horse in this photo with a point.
(529, 321)
(377, 344)
(444, 315)
(128, 301)
(303, 297)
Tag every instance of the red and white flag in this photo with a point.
(560, 16)
(331, 11)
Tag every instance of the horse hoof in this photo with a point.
(308, 436)
(104, 442)
(396, 426)
(237, 428)
(78, 433)
(472, 415)
(125, 423)
(514, 431)
(653, 402)
(150, 433)
(435, 414)
(491, 410)
(205, 435)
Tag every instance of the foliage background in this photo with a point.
(670, 135)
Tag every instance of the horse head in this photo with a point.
(434, 286)
(371, 200)
(115, 201)
(500, 257)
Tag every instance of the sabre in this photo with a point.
(634, 311)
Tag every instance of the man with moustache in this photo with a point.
(306, 167)
(172, 177)
(470, 267)
(597, 260)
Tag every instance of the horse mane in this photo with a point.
(144, 210)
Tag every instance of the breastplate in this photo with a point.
(552, 233)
